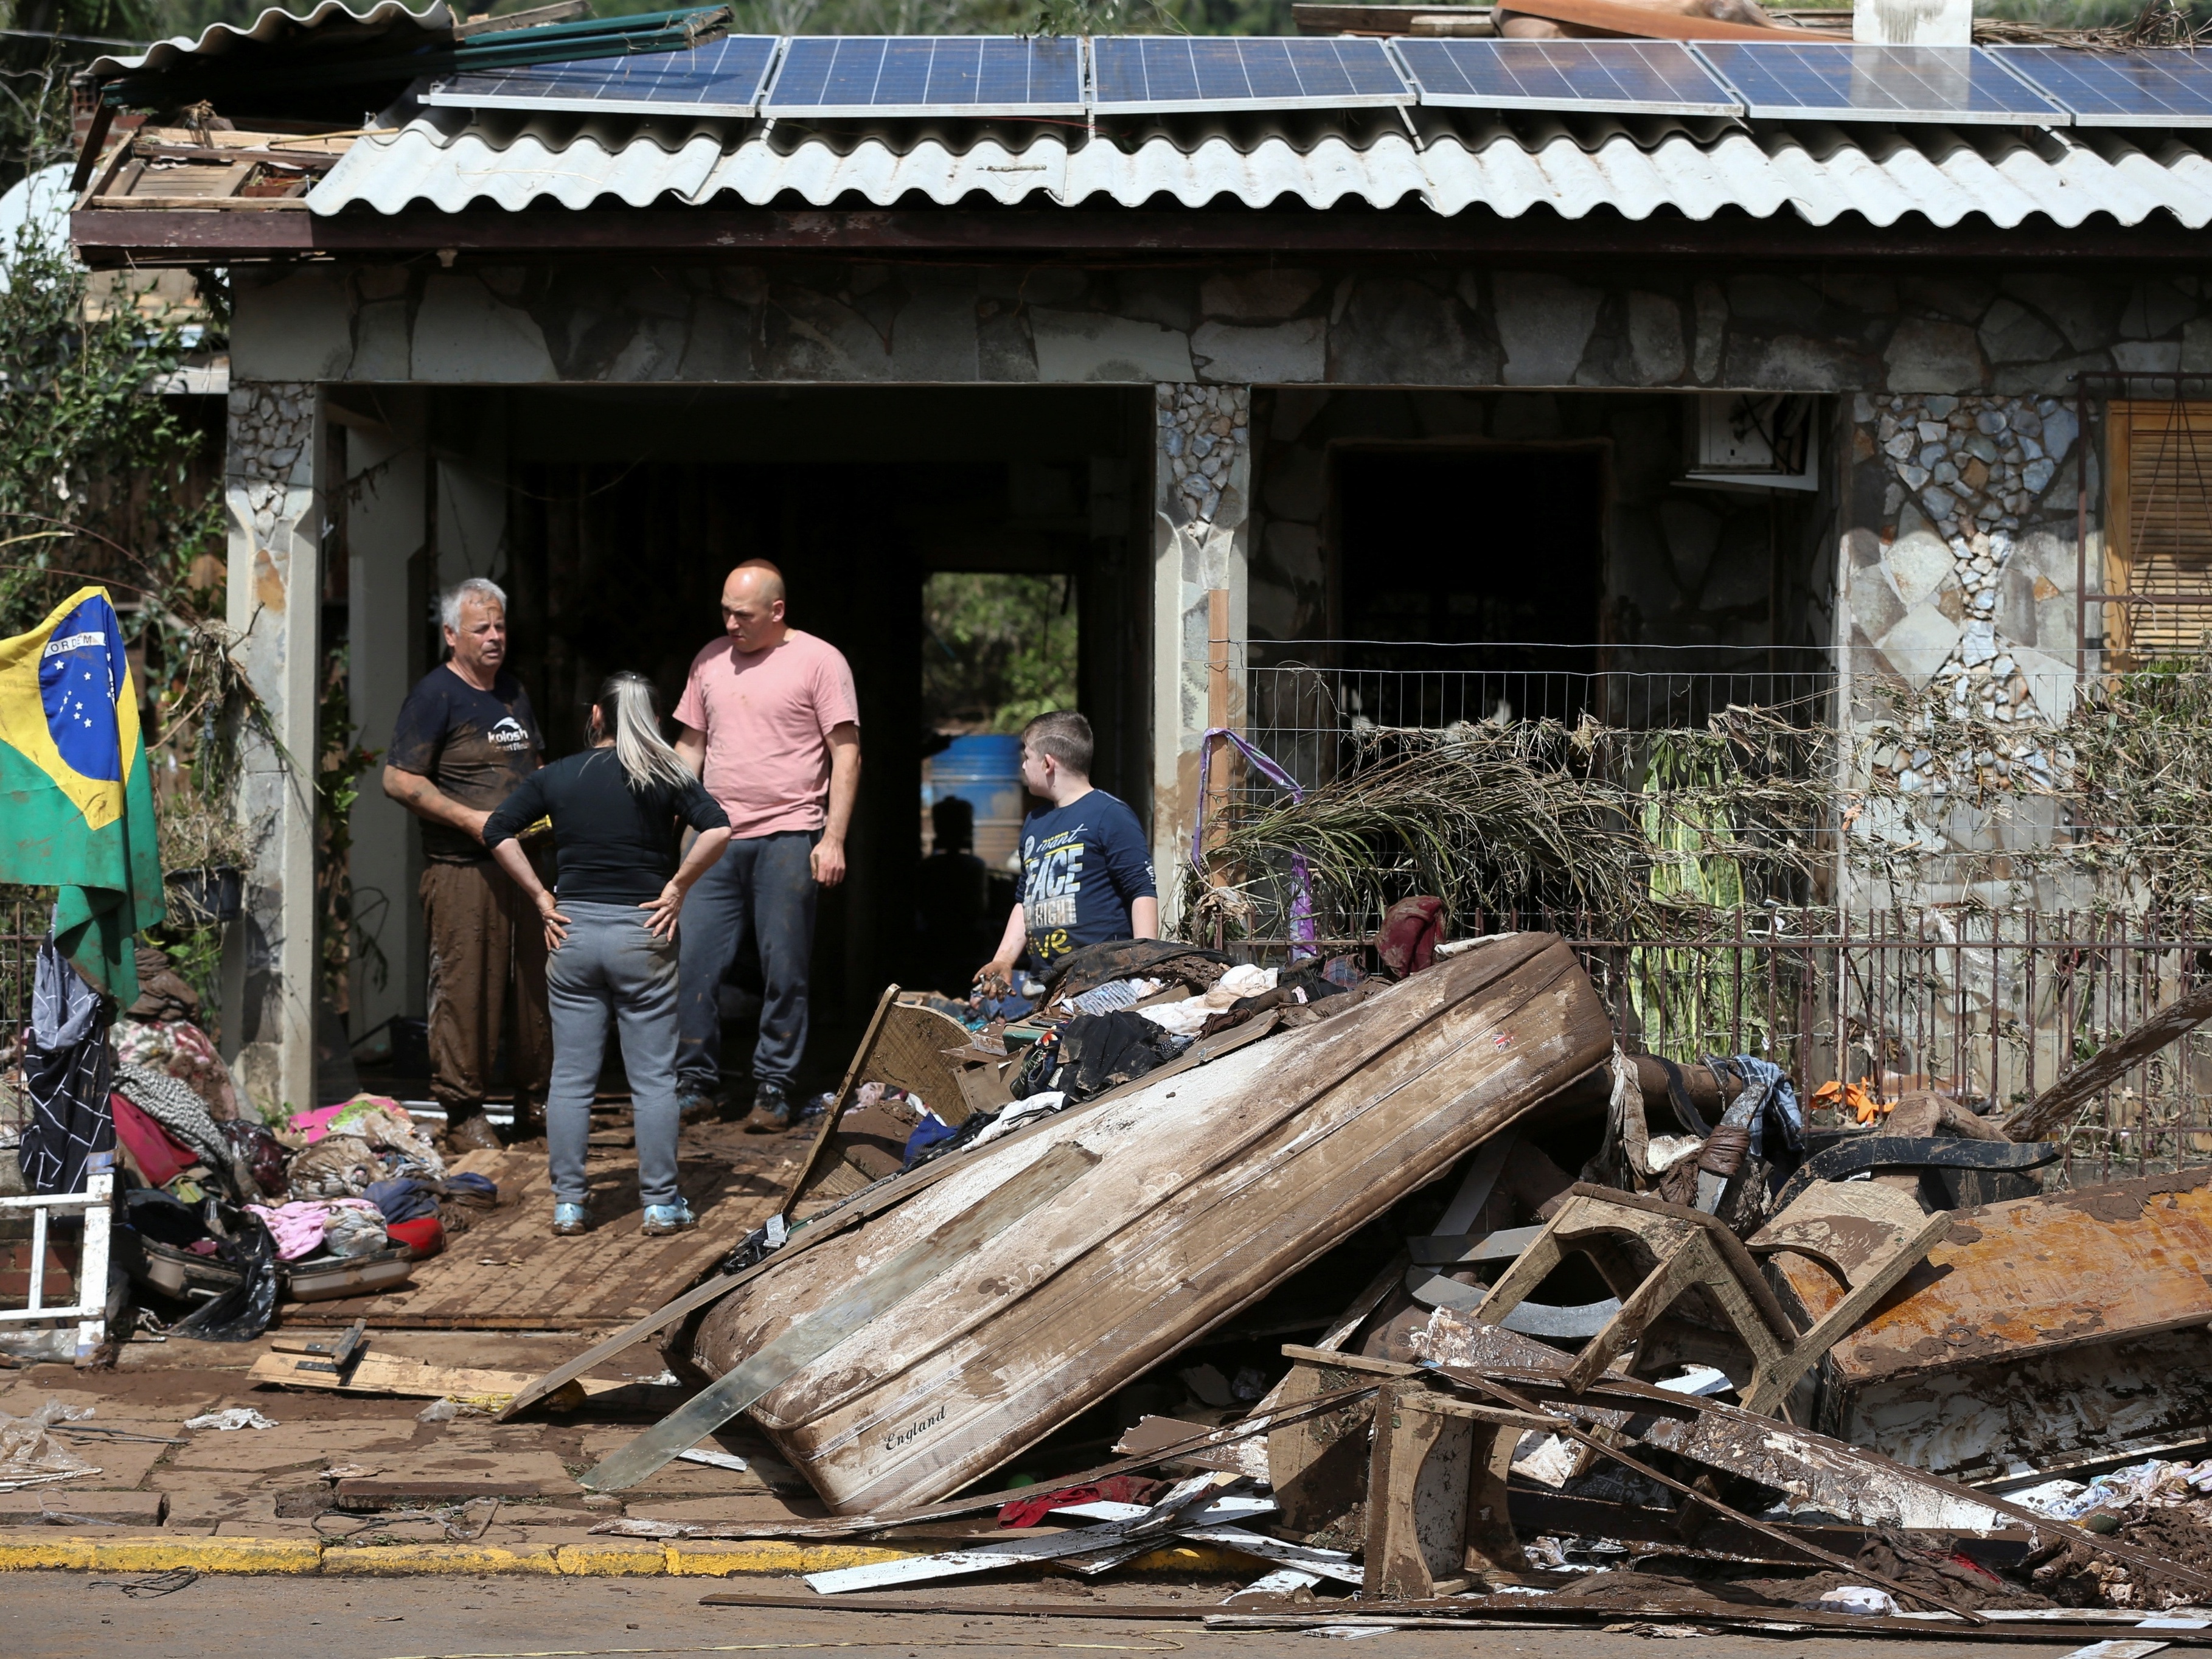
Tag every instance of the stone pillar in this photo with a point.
(386, 508)
(1202, 479)
(273, 492)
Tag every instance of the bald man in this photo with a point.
(771, 727)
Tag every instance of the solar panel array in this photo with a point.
(723, 77)
(1840, 81)
(1139, 74)
(2139, 88)
(829, 76)
(1651, 77)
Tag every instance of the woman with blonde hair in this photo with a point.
(618, 811)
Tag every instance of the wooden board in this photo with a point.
(1214, 1186)
(508, 1272)
(396, 1374)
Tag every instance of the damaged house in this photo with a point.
(1780, 461)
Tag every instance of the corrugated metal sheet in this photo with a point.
(1819, 174)
(277, 26)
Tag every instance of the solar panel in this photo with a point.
(828, 75)
(722, 77)
(1135, 74)
(2164, 88)
(1651, 77)
(1839, 81)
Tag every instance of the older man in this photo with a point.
(769, 721)
(466, 738)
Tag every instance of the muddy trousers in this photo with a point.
(487, 945)
(769, 881)
(611, 971)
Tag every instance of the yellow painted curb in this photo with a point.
(1183, 1559)
(616, 1557)
(426, 1560)
(29, 1554)
(715, 1558)
(258, 1555)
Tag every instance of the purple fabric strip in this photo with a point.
(1303, 931)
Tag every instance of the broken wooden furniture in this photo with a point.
(1437, 1518)
(1654, 1255)
(2045, 1334)
(903, 1048)
(1211, 1186)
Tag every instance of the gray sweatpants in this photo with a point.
(610, 970)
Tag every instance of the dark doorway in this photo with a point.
(1496, 547)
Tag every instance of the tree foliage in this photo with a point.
(997, 649)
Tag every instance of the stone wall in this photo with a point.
(1633, 325)
(1684, 566)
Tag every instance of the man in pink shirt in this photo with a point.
(769, 722)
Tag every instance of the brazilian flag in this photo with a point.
(77, 809)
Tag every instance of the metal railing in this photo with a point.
(1311, 704)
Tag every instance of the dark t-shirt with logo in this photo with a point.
(476, 747)
(1083, 865)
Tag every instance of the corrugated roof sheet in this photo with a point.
(1820, 174)
(277, 27)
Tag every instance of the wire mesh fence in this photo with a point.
(1720, 933)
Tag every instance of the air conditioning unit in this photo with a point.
(1755, 441)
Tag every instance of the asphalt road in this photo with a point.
(78, 1616)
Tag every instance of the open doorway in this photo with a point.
(998, 648)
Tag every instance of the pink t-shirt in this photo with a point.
(768, 719)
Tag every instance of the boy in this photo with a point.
(1087, 870)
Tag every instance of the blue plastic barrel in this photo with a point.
(987, 773)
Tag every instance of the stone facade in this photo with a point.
(272, 492)
(1628, 324)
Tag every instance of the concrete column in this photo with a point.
(1202, 480)
(387, 478)
(273, 489)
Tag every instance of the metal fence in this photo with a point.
(1310, 704)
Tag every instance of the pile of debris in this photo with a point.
(1632, 1338)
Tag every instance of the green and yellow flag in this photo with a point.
(76, 808)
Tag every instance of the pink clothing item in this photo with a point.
(298, 1228)
(768, 719)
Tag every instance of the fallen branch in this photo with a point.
(2104, 1068)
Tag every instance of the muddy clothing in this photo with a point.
(476, 747)
(486, 942)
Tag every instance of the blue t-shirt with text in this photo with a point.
(1083, 865)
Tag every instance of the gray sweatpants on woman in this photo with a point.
(611, 969)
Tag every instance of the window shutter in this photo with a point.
(2159, 520)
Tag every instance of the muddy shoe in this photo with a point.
(570, 1221)
(529, 1123)
(472, 1134)
(662, 1219)
(695, 1108)
(771, 1113)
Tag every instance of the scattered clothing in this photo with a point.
(768, 717)
(1021, 1113)
(65, 1076)
(1412, 929)
(1098, 1052)
(931, 1131)
(476, 747)
(158, 1157)
(611, 971)
(1115, 1489)
(178, 1111)
(337, 1166)
(611, 844)
(162, 994)
(353, 1227)
(1164, 959)
(424, 1237)
(402, 1200)
(230, 1420)
(1084, 865)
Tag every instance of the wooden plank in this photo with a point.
(2055, 1105)
(1212, 1189)
(852, 1080)
(811, 1338)
(381, 1373)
